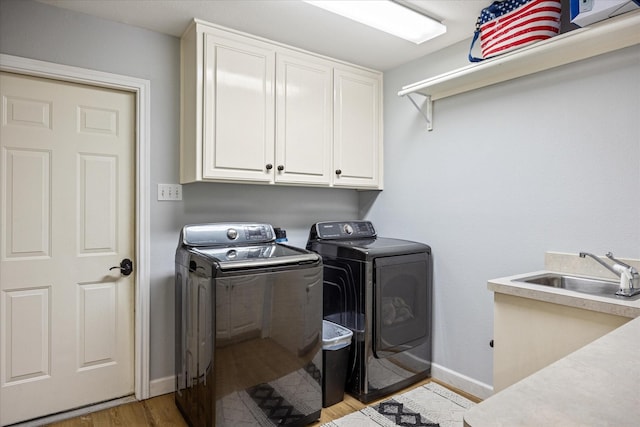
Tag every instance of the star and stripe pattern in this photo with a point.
(511, 24)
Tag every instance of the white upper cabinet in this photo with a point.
(304, 121)
(238, 110)
(358, 131)
(260, 112)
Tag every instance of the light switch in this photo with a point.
(169, 192)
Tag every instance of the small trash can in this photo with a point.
(336, 342)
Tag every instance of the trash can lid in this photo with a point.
(334, 334)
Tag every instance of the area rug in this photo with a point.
(429, 405)
(280, 402)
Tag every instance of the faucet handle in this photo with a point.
(610, 256)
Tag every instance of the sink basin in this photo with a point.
(585, 285)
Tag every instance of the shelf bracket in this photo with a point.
(426, 110)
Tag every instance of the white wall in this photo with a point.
(545, 162)
(38, 31)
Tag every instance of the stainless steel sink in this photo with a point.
(585, 285)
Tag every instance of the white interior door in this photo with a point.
(67, 216)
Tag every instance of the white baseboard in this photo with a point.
(463, 382)
(162, 386)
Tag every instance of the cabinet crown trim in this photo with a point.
(215, 27)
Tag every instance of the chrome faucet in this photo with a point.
(629, 277)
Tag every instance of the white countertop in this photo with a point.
(598, 385)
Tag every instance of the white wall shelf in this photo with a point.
(606, 36)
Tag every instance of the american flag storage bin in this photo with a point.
(507, 25)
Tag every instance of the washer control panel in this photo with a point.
(227, 234)
(344, 230)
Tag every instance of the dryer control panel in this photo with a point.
(342, 230)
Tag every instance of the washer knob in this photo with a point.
(348, 229)
(232, 234)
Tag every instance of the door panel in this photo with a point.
(97, 204)
(27, 112)
(27, 311)
(66, 217)
(97, 317)
(27, 208)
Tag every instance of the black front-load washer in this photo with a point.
(381, 289)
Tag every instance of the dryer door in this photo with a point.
(402, 303)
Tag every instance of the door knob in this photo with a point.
(126, 267)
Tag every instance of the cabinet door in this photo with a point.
(303, 120)
(530, 335)
(238, 139)
(357, 129)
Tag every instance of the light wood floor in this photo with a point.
(162, 411)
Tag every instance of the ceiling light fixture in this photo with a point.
(386, 16)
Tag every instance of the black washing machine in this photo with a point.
(381, 289)
(248, 328)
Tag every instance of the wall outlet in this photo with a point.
(169, 192)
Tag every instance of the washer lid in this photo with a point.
(226, 234)
(257, 256)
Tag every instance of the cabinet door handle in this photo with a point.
(269, 166)
(338, 171)
(280, 168)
